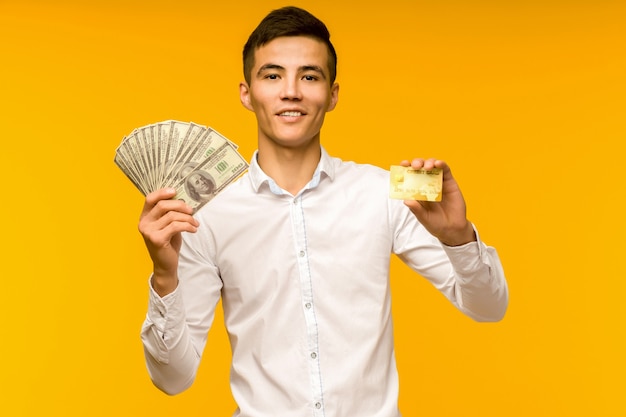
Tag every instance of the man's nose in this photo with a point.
(291, 90)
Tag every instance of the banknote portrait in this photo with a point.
(200, 186)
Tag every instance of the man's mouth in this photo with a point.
(291, 113)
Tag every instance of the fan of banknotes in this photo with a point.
(195, 160)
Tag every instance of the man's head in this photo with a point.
(288, 21)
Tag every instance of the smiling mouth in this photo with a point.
(291, 113)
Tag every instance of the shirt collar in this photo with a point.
(258, 177)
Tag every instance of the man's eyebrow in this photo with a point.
(315, 68)
(304, 68)
(267, 67)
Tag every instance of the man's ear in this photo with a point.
(334, 97)
(244, 95)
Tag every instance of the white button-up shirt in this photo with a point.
(304, 282)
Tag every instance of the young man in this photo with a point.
(299, 250)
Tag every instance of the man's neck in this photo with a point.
(291, 168)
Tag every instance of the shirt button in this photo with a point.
(308, 305)
(301, 253)
(318, 405)
(313, 355)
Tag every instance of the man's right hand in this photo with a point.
(161, 223)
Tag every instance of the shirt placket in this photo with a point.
(308, 305)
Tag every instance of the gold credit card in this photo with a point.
(406, 183)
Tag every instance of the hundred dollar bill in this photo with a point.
(196, 160)
(130, 153)
(406, 183)
(185, 140)
(205, 179)
(128, 166)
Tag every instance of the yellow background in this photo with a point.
(524, 99)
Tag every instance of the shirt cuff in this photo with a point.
(166, 313)
(469, 258)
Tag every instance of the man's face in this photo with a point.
(290, 91)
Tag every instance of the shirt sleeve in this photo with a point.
(471, 276)
(174, 332)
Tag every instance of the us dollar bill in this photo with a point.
(204, 180)
(406, 183)
(194, 159)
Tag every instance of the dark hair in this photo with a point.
(288, 21)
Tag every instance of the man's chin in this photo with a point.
(296, 140)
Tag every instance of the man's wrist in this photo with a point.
(163, 285)
(467, 235)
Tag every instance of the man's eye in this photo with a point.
(272, 76)
(310, 77)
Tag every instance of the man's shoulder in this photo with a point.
(343, 167)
